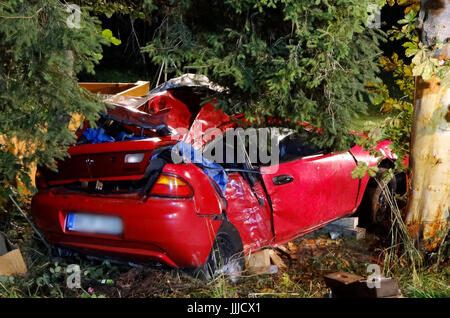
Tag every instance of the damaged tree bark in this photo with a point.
(429, 193)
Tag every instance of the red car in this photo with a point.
(122, 195)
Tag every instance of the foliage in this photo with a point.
(107, 33)
(137, 9)
(420, 61)
(293, 60)
(38, 90)
(110, 7)
(396, 101)
(397, 126)
(425, 61)
(427, 64)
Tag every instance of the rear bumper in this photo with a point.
(106, 249)
(156, 229)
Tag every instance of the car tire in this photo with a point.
(226, 256)
(379, 207)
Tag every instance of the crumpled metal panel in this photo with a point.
(246, 211)
(132, 116)
(177, 115)
(209, 123)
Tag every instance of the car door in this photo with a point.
(309, 191)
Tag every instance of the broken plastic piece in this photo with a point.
(273, 269)
(334, 235)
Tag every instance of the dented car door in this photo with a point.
(310, 191)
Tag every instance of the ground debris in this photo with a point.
(266, 261)
(139, 282)
(11, 260)
(157, 282)
(348, 285)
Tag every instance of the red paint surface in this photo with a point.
(247, 214)
(180, 232)
(103, 161)
(178, 115)
(321, 191)
(209, 123)
(159, 229)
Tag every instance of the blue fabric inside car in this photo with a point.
(98, 135)
(209, 167)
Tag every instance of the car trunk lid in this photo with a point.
(105, 161)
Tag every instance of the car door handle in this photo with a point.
(282, 179)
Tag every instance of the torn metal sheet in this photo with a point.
(209, 124)
(188, 80)
(249, 210)
(131, 116)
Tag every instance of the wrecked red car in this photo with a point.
(122, 194)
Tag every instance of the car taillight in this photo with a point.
(171, 186)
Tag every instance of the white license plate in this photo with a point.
(94, 223)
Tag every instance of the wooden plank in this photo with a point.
(137, 89)
(348, 285)
(106, 88)
(140, 88)
(259, 262)
(259, 259)
(276, 260)
(12, 263)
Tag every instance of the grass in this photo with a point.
(316, 256)
(432, 284)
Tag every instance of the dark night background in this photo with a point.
(125, 62)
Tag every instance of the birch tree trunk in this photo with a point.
(429, 193)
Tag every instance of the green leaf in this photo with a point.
(115, 41)
(418, 69)
(419, 58)
(427, 71)
(107, 33)
(410, 51)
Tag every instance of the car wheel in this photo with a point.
(380, 209)
(226, 256)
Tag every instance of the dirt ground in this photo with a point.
(307, 260)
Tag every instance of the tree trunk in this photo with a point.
(429, 193)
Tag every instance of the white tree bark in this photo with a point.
(429, 195)
(435, 17)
